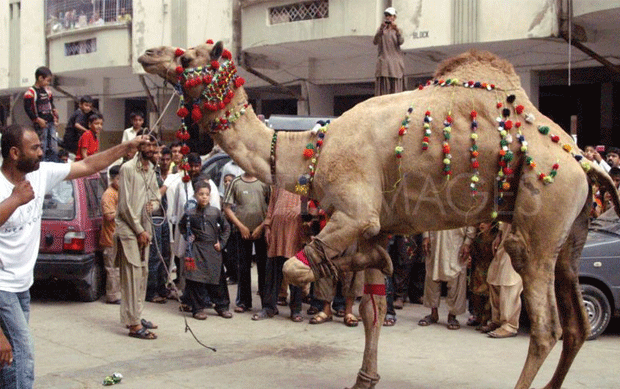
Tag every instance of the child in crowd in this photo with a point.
(39, 106)
(89, 142)
(204, 271)
(77, 125)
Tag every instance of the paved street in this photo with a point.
(78, 344)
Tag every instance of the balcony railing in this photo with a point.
(296, 12)
(66, 15)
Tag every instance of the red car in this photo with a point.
(70, 231)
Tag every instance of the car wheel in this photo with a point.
(89, 287)
(598, 309)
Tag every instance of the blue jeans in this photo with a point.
(14, 315)
(49, 143)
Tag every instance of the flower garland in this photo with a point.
(427, 130)
(311, 152)
(402, 131)
(447, 157)
(473, 154)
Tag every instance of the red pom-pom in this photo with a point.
(319, 143)
(508, 124)
(420, 87)
(426, 139)
(499, 105)
(470, 83)
(179, 52)
(507, 170)
(239, 81)
(215, 65)
(221, 105)
(427, 113)
(209, 41)
(226, 54)
(308, 153)
(555, 166)
(424, 147)
(196, 113)
(555, 138)
(185, 135)
(182, 112)
(186, 178)
(207, 79)
(475, 165)
(446, 149)
(179, 135)
(185, 149)
(541, 176)
(402, 131)
(517, 124)
(519, 109)
(179, 69)
(492, 86)
(473, 114)
(502, 163)
(449, 119)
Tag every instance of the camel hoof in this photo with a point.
(365, 381)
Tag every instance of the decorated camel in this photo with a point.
(465, 148)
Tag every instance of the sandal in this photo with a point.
(158, 300)
(200, 315)
(473, 322)
(282, 301)
(262, 314)
(501, 333)
(225, 314)
(453, 324)
(143, 333)
(350, 320)
(148, 325)
(389, 321)
(340, 313)
(427, 321)
(321, 318)
(297, 318)
(489, 327)
(241, 309)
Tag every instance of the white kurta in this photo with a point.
(501, 272)
(444, 263)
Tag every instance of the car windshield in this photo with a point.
(608, 221)
(59, 204)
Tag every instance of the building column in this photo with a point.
(531, 84)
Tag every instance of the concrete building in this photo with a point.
(310, 57)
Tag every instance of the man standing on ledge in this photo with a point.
(390, 63)
(23, 184)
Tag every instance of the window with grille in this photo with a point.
(296, 12)
(81, 47)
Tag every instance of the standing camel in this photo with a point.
(385, 166)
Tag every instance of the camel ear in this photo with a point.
(216, 51)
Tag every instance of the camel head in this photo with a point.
(205, 76)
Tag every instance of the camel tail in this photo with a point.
(597, 174)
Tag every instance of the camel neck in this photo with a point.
(249, 142)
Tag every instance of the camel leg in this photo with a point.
(535, 266)
(315, 260)
(575, 325)
(372, 309)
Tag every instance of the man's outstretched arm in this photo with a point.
(97, 162)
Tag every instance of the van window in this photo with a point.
(59, 204)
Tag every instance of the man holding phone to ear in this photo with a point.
(390, 62)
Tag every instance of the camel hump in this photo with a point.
(597, 174)
(479, 65)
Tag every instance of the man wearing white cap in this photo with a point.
(390, 63)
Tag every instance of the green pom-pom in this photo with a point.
(543, 130)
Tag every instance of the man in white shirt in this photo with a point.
(137, 120)
(23, 184)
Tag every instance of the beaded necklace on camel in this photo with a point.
(504, 126)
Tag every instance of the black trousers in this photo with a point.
(273, 280)
(244, 286)
(197, 294)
